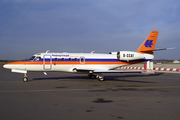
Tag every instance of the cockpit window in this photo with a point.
(32, 58)
(37, 59)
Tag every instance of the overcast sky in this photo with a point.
(32, 26)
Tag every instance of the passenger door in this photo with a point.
(47, 62)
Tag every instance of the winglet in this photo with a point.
(149, 44)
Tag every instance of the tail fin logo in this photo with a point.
(148, 43)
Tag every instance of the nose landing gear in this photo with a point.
(25, 79)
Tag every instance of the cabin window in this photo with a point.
(56, 59)
(82, 59)
(75, 59)
(62, 59)
(69, 59)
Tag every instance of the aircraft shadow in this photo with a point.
(123, 78)
(59, 78)
(127, 78)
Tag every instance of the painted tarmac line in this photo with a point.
(118, 88)
(128, 78)
(37, 80)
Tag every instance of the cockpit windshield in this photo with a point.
(32, 58)
(35, 58)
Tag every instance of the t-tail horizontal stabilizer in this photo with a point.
(157, 49)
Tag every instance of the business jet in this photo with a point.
(92, 63)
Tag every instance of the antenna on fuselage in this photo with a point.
(92, 52)
(47, 51)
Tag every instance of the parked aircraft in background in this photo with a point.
(93, 64)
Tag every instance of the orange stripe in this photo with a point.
(66, 63)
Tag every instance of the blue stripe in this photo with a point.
(101, 60)
(87, 60)
(94, 60)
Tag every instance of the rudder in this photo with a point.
(149, 44)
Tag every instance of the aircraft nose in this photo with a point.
(7, 66)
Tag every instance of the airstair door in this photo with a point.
(47, 62)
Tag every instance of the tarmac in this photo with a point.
(66, 96)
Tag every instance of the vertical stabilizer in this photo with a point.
(149, 44)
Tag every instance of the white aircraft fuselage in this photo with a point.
(67, 62)
(91, 63)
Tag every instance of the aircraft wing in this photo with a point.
(117, 71)
(105, 71)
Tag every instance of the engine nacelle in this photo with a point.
(129, 56)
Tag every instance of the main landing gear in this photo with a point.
(25, 79)
(98, 76)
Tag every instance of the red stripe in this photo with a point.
(171, 69)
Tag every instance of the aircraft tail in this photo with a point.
(149, 44)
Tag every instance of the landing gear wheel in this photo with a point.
(101, 79)
(91, 76)
(25, 79)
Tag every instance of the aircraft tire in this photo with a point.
(101, 79)
(25, 79)
(91, 76)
